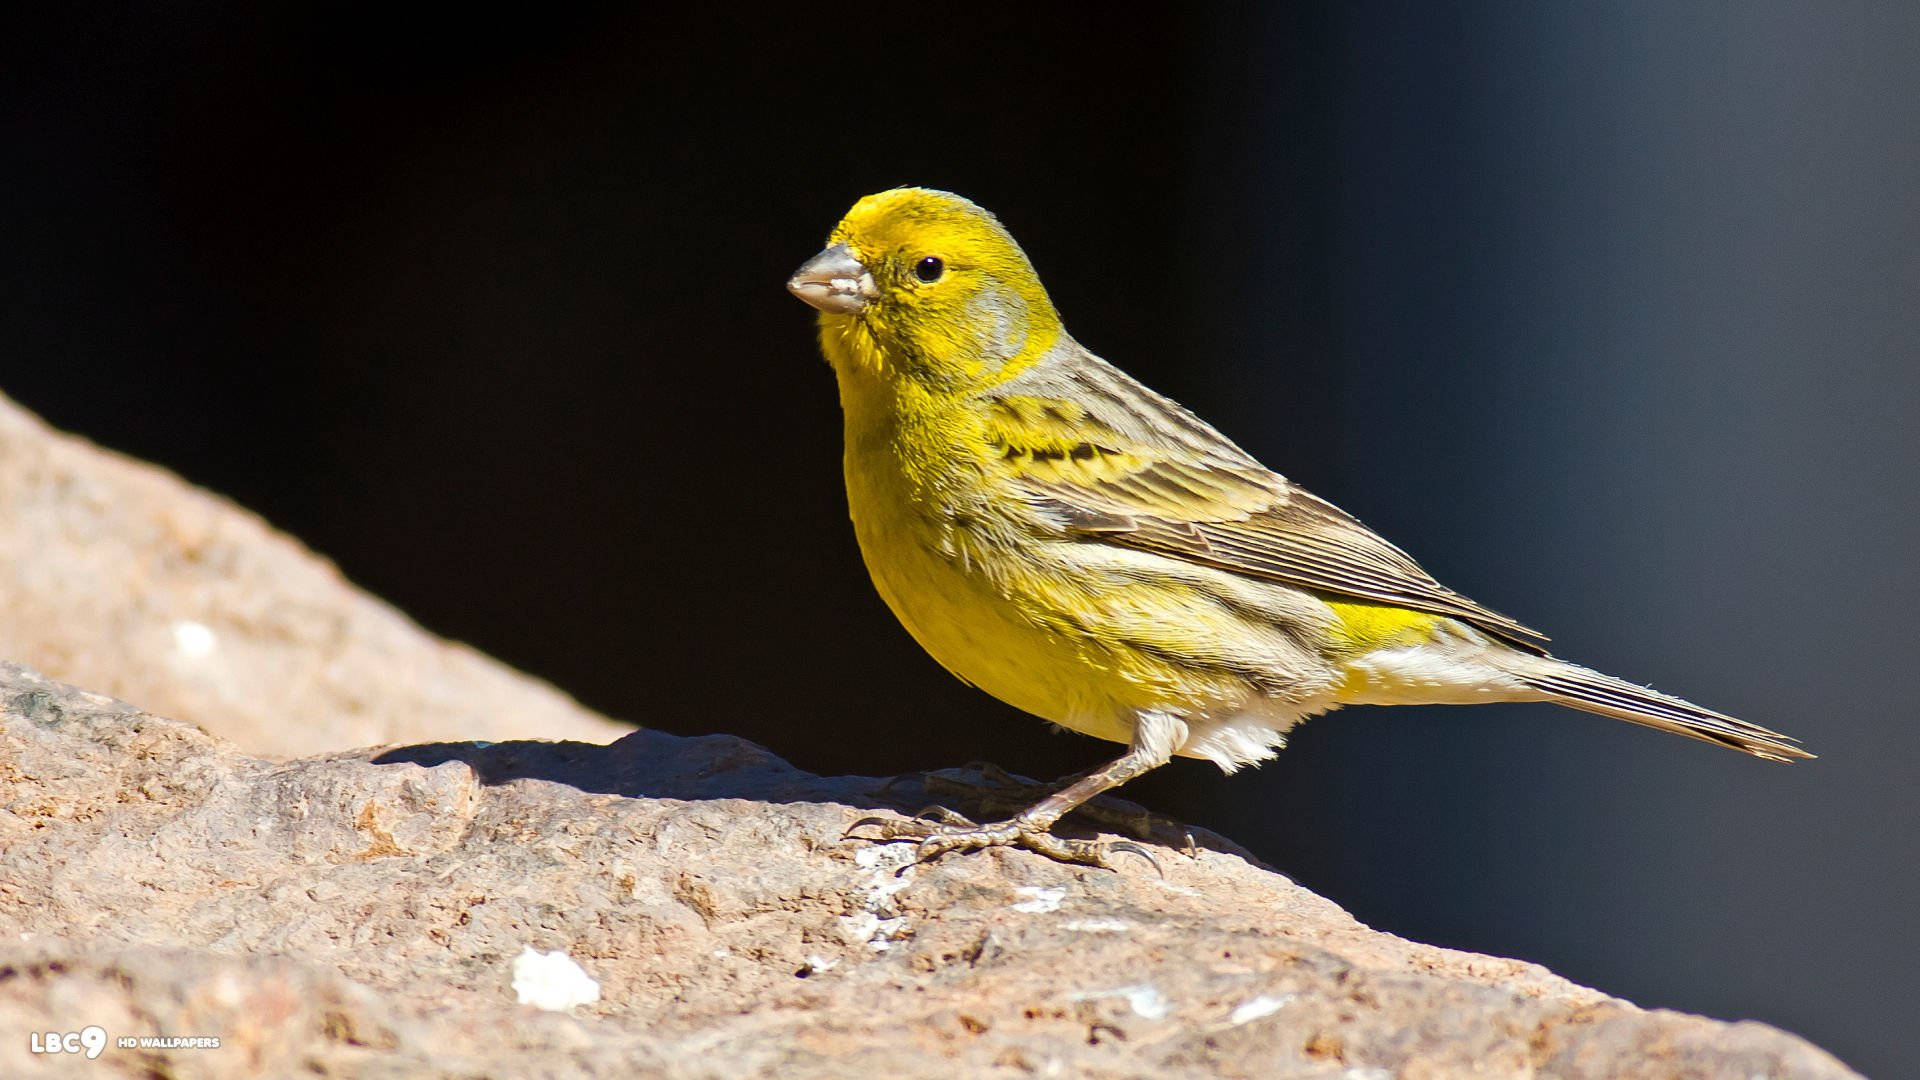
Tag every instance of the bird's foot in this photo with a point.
(1001, 792)
(940, 831)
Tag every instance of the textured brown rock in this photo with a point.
(119, 576)
(357, 913)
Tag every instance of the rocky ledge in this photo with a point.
(368, 913)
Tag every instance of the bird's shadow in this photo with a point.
(655, 765)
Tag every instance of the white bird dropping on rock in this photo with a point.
(552, 981)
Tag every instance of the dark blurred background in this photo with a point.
(1610, 316)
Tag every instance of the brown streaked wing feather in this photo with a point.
(1315, 544)
(1198, 497)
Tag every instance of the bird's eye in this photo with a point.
(929, 269)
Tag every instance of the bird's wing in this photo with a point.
(1111, 461)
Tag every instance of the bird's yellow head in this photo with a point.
(922, 284)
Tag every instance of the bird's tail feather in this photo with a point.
(1582, 688)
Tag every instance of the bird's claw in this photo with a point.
(861, 824)
(1132, 848)
(917, 827)
(940, 831)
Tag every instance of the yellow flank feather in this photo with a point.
(1361, 627)
(1062, 537)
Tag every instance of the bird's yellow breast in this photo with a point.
(977, 592)
(911, 521)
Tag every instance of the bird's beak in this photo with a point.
(834, 281)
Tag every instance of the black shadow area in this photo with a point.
(658, 765)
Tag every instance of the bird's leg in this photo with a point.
(1001, 792)
(941, 831)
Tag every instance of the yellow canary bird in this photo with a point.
(1080, 547)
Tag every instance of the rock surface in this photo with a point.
(120, 576)
(358, 913)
